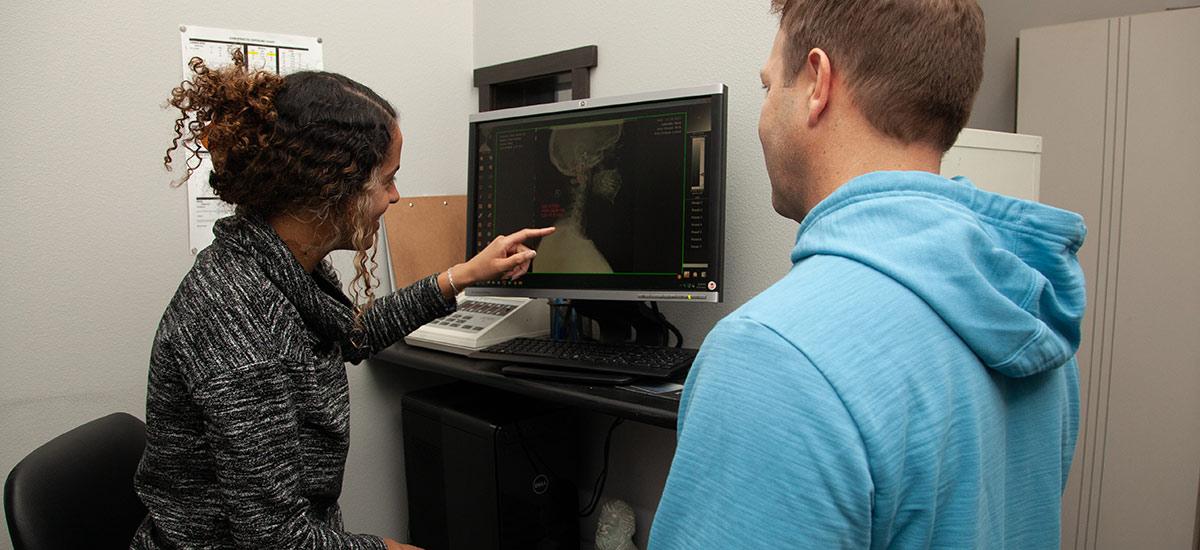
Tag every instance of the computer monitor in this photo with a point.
(635, 186)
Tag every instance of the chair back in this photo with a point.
(77, 490)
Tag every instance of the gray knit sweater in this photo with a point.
(247, 406)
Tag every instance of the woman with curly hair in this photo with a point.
(247, 407)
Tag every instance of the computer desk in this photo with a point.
(657, 410)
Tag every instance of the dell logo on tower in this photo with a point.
(540, 484)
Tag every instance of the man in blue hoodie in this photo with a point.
(911, 382)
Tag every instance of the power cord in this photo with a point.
(536, 461)
(662, 319)
(598, 487)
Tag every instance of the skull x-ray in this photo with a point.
(579, 152)
(612, 188)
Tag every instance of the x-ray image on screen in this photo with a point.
(582, 154)
(603, 185)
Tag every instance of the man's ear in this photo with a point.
(820, 76)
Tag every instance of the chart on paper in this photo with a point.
(277, 53)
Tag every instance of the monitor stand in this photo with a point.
(625, 321)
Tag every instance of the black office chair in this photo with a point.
(77, 490)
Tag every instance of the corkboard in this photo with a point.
(425, 235)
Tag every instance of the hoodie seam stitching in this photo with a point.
(1020, 351)
(857, 427)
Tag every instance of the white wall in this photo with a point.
(94, 239)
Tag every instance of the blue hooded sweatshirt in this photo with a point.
(910, 383)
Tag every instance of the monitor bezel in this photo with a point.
(718, 93)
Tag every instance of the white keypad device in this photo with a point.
(483, 321)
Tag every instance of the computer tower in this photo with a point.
(488, 470)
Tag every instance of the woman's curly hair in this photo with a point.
(310, 145)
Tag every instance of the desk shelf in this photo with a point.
(656, 410)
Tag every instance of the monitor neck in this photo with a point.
(622, 321)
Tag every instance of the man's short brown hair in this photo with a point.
(913, 66)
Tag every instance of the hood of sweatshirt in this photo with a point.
(1001, 272)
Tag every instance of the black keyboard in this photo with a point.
(639, 360)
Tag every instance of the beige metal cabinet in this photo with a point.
(1009, 164)
(1117, 103)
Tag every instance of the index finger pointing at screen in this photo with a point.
(526, 234)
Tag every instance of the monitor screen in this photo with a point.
(635, 186)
